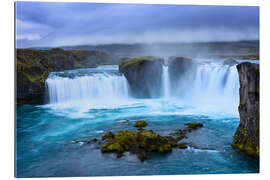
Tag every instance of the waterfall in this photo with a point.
(215, 81)
(166, 82)
(214, 87)
(89, 86)
(210, 86)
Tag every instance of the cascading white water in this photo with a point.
(214, 87)
(209, 86)
(166, 82)
(215, 80)
(90, 87)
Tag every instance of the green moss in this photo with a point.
(258, 90)
(244, 132)
(165, 148)
(194, 125)
(182, 146)
(137, 142)
(242, 106)
(111, 147)
(140, 124)
(172, 141)
(243, 143)
(108, 135)
(136, 61)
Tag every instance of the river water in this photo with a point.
(86, 103)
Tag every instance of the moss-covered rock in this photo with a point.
(136, 62)
(138, 142)
(144, 75)
(140, 124)
(182, 146)
(181, 133)
(112, 147)
(194, 125)
(246, 137)
(141, 142)
(108, 135)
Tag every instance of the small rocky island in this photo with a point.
(142, 141)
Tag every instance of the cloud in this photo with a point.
(31, 31)
(55, 24)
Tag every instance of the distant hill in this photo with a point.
(203, 49)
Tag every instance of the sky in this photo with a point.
(50, 24)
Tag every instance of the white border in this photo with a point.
(7, 87)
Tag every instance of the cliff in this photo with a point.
(246, 137)
(34, 66)
(144, 76)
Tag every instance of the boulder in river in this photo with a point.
(140, 124)
(194, 125)
(144, 75)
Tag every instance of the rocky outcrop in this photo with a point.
(33, 67)
(246, 138)
(143, 141)
(140, 124)
(144, 76)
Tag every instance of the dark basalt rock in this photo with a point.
(246, 137)
(144, 76)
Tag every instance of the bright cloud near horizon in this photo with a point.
(62, 24)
